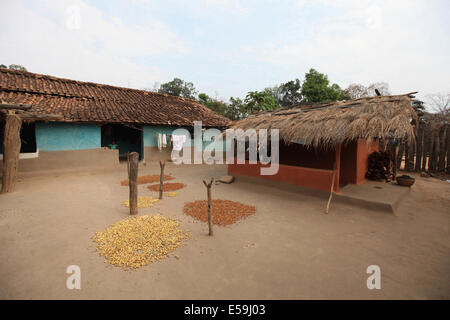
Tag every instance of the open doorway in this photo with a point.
(128, 139)
(28, 146)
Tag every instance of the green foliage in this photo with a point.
(13, 67)
(236, 109)
(179, 88)
(316, 89)
(17, 67)
(259, 101)
(289, 93)
(215, 105)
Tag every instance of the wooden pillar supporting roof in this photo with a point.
(14, 114)
(337, 168)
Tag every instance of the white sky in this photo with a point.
(227, 48)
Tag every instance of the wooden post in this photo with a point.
(447, 148)
(441, 163)
(409, 157)
(394, 152)
(161, 178)
(434, 149)
(11, 151)
(208, 189)
(133, 163)
(419, 145)
(424, 150)
(331, 189)
(337, 168)
(335, 176)
(426, 147)
(401, 148)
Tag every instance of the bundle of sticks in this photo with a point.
(380, 167)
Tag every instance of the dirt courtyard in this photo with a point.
(289, 249)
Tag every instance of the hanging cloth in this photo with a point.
(178, 142)
(164, 141)
(159, 141)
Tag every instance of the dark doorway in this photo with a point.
(128, 139)
(27, 137)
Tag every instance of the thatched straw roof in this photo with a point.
(327, 125)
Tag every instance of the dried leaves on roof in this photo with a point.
(327, 125)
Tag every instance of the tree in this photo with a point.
(259, 101)
(216, 105)
(289, 93)
(356, 90)
(179, 88)
(316, 89)
(439, 103)
(382, 87)
(14, 67)
(236, 109)
(17, 67)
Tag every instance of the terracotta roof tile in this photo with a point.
(79, 101)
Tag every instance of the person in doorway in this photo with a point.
(113, 145)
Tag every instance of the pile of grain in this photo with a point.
(170, 186)
(224, 212)
(137, 241)
(171, 194)
(143, 202)
(148, 179)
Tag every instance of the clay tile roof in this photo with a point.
(79, 101)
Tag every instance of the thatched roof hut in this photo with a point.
(331, 124)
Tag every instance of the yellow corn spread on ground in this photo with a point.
(143, 202)
(136, 241)
(171, 194)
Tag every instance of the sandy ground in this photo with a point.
(288, 250)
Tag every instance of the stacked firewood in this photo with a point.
(379, 166)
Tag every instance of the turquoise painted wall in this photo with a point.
(67, 136)
(151, 137)
(151, 134)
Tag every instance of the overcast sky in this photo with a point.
(231, 47)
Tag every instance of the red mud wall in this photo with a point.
(313, 168)
(354, 161)
(318, 179)
(364, 149)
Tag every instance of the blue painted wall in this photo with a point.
(151, 137)
(78, 136)
(151, 134)
(67, 136)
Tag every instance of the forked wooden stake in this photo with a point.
(161, 179)
(208, 188)
(133, 163)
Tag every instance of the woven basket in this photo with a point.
(406, 182)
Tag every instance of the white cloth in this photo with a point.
(159, 141)
(164, 141)
(178, 142)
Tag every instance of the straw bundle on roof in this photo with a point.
(327, 125)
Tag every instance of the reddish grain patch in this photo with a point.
(167, 186)
(224, 212)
